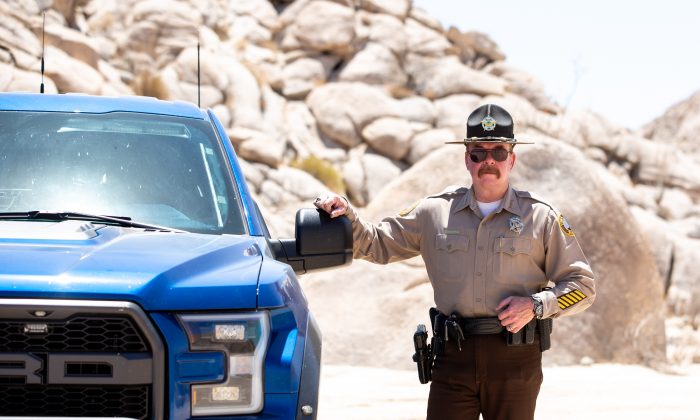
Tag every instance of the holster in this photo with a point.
(526, 335)
(423, 355)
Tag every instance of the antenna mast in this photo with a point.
(199, 95)
(43, 42)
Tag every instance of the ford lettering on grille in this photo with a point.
(83, 368)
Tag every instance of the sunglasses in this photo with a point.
(499, 154)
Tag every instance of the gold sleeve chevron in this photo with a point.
(570, 299)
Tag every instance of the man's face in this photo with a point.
(488, 174)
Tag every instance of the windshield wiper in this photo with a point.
(123, 221)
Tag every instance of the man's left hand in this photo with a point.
(515, 311)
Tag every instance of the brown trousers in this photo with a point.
(486, 377)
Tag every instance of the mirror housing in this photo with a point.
(320, 242)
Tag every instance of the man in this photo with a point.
(490, 251)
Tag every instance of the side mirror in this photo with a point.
(320, 242)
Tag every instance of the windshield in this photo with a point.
(166, 171)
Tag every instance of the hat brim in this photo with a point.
(504, 140)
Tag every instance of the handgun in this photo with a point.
(423, 355)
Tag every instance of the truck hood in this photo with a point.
(157, 270)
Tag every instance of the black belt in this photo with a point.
(469, 326)
(458, 328)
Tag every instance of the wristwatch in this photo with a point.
(537, 309)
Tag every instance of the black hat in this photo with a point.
(489, 123)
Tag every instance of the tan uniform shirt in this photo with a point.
(473, 262)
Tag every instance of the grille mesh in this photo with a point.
(73, 400)
(80, 333)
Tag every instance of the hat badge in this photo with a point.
(488, 123)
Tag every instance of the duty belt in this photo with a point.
(459, 328)
(469, 326)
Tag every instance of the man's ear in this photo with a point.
(512, 163)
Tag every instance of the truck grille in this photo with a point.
(72, 400)
(80, 359)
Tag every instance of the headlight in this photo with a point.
(243, 339)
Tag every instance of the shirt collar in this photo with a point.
(510, 202)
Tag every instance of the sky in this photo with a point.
(626, 60)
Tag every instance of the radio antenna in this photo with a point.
(199, 94)
(43, 42)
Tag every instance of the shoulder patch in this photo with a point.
(564, 226)
(405, 212)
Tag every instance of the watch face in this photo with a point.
(537, 308)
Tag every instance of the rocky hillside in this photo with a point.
(359, 96)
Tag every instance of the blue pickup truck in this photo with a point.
(138, 279)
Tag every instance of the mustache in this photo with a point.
(486, 169)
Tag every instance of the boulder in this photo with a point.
(658, 163)
(354, 176)
(297, 182)
(13, 79)
(16, 37)
(385, 30)
(475, 48)
(344, 109)
(302, 131)
(678, 125)
(71, 75)
(424, 41)
(440, 77)
(256, 146)
(245, 29)
(421, 16)
(526, 85)
(684, 286)
(661, 241)
(422, 144)
(261, 10)
(379, 172)
(274, 114)
(375, 65)
(73, 43)
(365, 174)
(417, 109)
(324, 26)
(390, 136)
(398, 8)
(626, 322)
(301, 76)
(675, 204)
(453, 110)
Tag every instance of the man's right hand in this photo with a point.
(332, 204)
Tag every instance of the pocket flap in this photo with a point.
(513, 246)
(450, 243)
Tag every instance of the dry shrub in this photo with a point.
(323, 171)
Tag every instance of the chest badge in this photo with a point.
(516, 224)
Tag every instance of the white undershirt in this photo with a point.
(488, 208)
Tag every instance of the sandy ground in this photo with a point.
(599, 391)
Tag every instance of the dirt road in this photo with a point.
(599, 391)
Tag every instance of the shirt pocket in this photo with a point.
(451, 256)
(511, 259)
